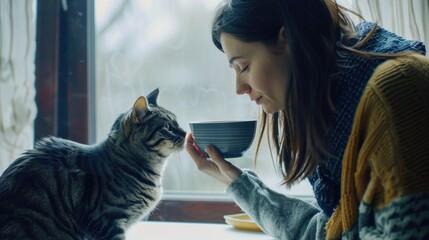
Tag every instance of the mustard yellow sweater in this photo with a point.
(385, 173)
(385, 168)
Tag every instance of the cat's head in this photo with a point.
(149, 129)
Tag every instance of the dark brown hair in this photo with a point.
(314, 29)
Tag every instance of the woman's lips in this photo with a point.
(258, 100)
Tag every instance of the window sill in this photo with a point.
(198, 207)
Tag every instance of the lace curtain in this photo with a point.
(17, 92)
(408, 18)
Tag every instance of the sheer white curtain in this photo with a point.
(17, 92)
(142, 45)
(408, 18)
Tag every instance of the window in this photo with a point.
(94, 58)
(166, 44)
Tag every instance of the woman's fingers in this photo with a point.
(203, 163)
(191, 147)
(228, 170)
(215, 155)
(215, 166)
(193, 150)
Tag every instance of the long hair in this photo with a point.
(314, 29)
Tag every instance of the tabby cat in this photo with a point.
(66, 190)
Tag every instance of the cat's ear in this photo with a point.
(141, 106)
(153, 97)
(139, 110)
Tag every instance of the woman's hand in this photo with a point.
(215, 166)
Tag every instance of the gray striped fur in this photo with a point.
(65, 190)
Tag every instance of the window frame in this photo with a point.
(65, 79)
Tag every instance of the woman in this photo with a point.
(346, 107)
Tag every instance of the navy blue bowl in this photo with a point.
(231, 138)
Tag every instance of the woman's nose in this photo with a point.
(242, 87)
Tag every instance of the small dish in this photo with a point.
(242, 221)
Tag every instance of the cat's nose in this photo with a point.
(182, 132)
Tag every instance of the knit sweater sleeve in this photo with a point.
(278, 215)
(384, 192)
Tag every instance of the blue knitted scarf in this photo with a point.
(352, 73)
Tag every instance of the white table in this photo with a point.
(155, 230)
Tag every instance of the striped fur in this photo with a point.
(66, 190)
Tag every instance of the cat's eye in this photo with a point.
(167, 126)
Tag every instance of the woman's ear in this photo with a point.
(282, 38)
(282, 41)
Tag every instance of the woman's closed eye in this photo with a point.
(244, 69)
(240, 67)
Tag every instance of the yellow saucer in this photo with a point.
(241, 221)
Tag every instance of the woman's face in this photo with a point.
(260, 70)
